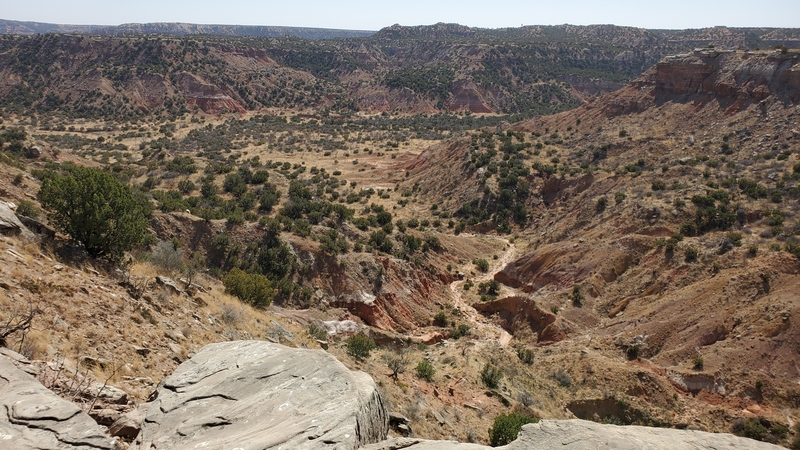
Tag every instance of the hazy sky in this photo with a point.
(373, 15)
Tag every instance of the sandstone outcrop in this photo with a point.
(33, 417)
(10, 224)
(583, 434)
(248, 393)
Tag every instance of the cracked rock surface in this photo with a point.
(583, 434)
(33, 417)
(260, 395)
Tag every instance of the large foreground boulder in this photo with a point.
(260, 395)
(583, 434)
(32, 417)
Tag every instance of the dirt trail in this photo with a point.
(484, 326)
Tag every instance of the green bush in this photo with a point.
(490, 288)
(251, 288)
(751, 428)
(491, 376)
(359, 346)
(460, 331)
(29, 209)
(601, 204)
(425, 370)
(577, 295)
(95, 209)
(440, 319)
(690, 254)
(481, 264)
(525, 355)
(507, 426)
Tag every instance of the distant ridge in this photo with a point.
(728, 37)
(179, 29)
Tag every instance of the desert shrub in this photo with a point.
(251, 288)
(317, 332)
(440, 319)
(268, 197)
(95, 209)
(735, 237)
(231, 314)
(168, 256)
(601, 204)
(425, 370)
(563, 378)
(460, 331)
(491, 376)
(333, 243)
(28, 208)
(380, 240)
(619, 197)
(697, 363)
(359, 346)
(751, 428)
(796, 440)
(577, 295)
(793, 248)
(186, 186)
(397, 362)
(659, 185)
(525, 355)
(491, 287)
(690, 254)
(481, 264)
(506, 427)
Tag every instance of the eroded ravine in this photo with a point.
(484, 327)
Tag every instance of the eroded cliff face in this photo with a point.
(732, 79)
(208, 97)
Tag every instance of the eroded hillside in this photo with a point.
(631, 261)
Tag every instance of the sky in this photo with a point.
(374, 15)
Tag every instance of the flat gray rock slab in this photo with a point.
(422, 444)
(34, 418)
(583, 434)
(258, 395)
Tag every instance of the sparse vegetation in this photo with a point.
(304, 205)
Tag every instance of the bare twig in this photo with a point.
(18, 321)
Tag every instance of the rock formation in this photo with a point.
(10, 224)
(583, 434)
(422, 444)
(33, 417)
(248, 393)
